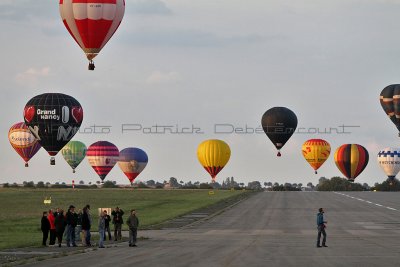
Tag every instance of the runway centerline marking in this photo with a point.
(367, 201)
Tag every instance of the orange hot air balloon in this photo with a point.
(213, 155)
(316, 152)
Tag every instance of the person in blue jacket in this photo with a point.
(321, 228)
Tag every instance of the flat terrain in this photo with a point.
(270, 229)
(21, 209)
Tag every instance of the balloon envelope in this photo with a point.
(279, 124)
(23, 141)
(390, 101)
(73, 153)
(92, 22)
(53, 119)
(316, 152)
(102, 156)
(132, 162)
(351, 160)
(213, 155)
(389, 161)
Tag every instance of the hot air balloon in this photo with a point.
(92, 23)
(132, 162)
(389, 161)
(102, 156)
(213, 155)
(316, 152)
(23, 141)
(74, 152)
(53, 119)
(279, 123)
(390, 101)
(351, 160)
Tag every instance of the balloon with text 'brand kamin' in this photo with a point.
(390, 101)
(92, 23)
(23, 141)
(213, 155)
(279, 124)
(389, 161)
(53, 118)
(102, 156)
(73, 153)
(316, 152)
(132, 162)
(351, 160)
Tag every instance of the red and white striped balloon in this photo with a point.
(92, 22)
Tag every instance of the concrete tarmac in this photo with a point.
(270, 229)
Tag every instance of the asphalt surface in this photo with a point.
(270, 229)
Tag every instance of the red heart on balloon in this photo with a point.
(29, 113)
(77, 114)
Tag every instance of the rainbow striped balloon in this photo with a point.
(351, 160)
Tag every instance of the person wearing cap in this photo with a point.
(71, 221)
(321, 228)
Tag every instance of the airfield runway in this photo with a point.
(270, 229)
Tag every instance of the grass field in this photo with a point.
(21, 209)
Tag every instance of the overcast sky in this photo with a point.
(205, 63)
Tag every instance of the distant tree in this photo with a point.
(40, 185)
(309, 184)
(81, 182)
(276, 184)
(115, 182)
(63, 183)
(151, 183)
(339, 184)
(300, 185)
(173, 182)
(57, 183)
(265, 184)
(6, 185)
(388, 185)
(48, 184)
(205, 186)
(255, 185)
(109, 184)
(30, 184)
(90, 183)
(14, 185)
(98, 182)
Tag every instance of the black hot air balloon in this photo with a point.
(53, 118)
(390, 101)
(279, 123)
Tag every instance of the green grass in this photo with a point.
(21, 209)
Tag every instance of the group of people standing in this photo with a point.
(72, 224)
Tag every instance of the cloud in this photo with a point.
(158, 77)
(148, 7)
(32, 75)
(28, 9)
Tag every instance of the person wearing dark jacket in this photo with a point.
(86, 224)
(321, 228)
(117, 221)
(107, 220)
(45, 227)
(133, 224)
(60, 226)
(71, 220)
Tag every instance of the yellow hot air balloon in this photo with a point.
(213, 155)
(316, 152)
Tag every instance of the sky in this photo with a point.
(215, 66)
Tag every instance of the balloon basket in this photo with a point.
(279, 154)
(316, 172)
(73, 171)
(91, 65)
(52, 161)
(26, 164)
